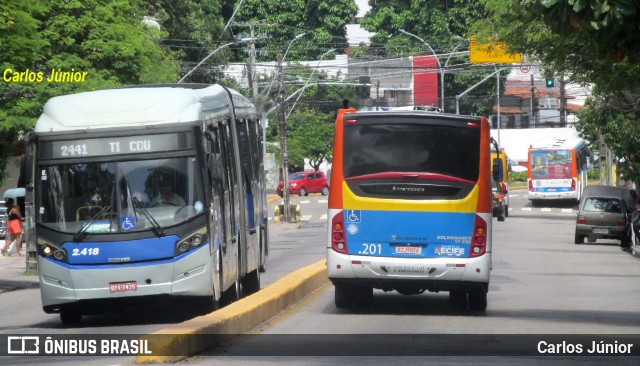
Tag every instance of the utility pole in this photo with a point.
(563, 102)
(286, 195)
(532, 116)
(251, 74)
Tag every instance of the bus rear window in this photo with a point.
(406, 146)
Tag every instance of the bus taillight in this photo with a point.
(531, 185)
(573, 184)
(338, 237)
(479, 238)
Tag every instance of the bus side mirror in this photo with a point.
(498, 174)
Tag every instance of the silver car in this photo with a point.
(602, 217)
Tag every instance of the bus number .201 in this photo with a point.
(371, 249)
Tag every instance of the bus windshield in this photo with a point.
(411, 147)
(552, 164)
(167, 191)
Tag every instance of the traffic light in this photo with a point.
(549, 82)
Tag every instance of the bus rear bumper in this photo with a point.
(64, 285)
(433, 274)
(571, 195)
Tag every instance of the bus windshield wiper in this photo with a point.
(80, 234)
(138, 205)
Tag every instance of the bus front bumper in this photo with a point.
(62, 284)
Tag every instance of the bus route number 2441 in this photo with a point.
(73, 150)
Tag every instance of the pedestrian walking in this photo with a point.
(14, 227)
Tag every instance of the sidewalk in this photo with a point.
(13, 273)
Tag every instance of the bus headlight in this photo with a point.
(191, 241)
(48, 250)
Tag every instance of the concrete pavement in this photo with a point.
(13, 273)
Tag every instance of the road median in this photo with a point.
(199, 334)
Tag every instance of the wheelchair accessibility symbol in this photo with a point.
(353, 216)
(127, 223)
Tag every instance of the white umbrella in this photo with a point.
(14, 193)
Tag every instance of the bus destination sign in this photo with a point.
(119, 145)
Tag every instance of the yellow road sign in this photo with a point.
(491, 52)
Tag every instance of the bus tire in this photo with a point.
(363, 297)
(478, 301)
(458, 300)
(251, 283)
(343, 296)
(70, 316)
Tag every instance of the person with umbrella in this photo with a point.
(14, 227)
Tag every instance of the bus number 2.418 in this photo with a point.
(85, 251)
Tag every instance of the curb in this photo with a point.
(178, 342)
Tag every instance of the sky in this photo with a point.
(363, 7)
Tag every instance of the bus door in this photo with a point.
(247, 165)
(225, 183)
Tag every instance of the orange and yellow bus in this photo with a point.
(557, 169)
(410, 206)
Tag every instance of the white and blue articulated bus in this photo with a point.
(146, 193)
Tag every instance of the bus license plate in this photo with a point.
(600, 231)
(123, 286)
(406, 249)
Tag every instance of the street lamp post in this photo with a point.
(282, 60)
(442, 70)
(437, 60)
(307, 82)
(211, 54)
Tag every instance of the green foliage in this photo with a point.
(593, 174)
(322, 21)
(517, 177)
(619, 130)
(311, 137)
(195, 29)
(103, 38)
(590, 41)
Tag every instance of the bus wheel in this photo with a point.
(251, 283)
(70, 316)
(343, 296)
(478, 301)
(363, 297)
(458, 300)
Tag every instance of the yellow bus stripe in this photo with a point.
(352, 202)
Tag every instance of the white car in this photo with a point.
(515, 167)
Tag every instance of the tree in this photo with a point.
(323, 21)
(592, 42)
(194, 29)
(313, 137)
(103, 38)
